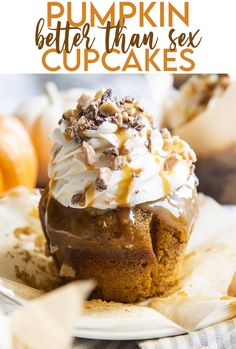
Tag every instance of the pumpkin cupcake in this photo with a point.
(122, 200)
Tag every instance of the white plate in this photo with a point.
(122, 335)
(126, 323)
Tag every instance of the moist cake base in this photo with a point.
(133, 253)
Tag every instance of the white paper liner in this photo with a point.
(208, 270)
(48, 321)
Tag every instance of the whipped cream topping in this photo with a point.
(107, 154)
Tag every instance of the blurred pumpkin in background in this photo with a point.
(18, 160)
(40, 116)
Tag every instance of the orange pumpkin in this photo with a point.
(18, 162)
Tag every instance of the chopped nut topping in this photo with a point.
(116, 161)
(103, 178)
(77, 198)
(77, 138)
(70, 113)
(170, 162)
(131, 111)
(108, 108)
(83, 101)
(137, 123)
(124, 149)
(106, 95)
(125, 116)
(128, 99)
(90, 154)
(167, 144)
(91, 113)
(67, 271)
(99, 94)
(119, 162)
(85, 126)
(112, 152)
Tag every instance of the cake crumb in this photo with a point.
(67, 271)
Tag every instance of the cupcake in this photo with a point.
(203, 113)
(121, 201)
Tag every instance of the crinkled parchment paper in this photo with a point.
(47, 321)
(207, 296)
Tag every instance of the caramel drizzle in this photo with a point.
(157, 158)
(122, 136)
(89, 195)
(126, 216)
(52, 184)
(90, 167)
(165, 183)
(124, 184)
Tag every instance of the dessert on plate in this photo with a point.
(121, 201)
(203, 113)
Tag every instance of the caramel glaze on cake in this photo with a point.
(133, 253)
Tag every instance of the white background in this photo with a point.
(216, 20)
